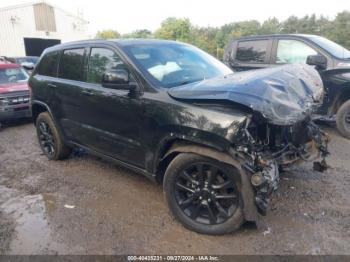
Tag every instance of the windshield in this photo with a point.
(12, 75)
(173, 65)
(336, 50)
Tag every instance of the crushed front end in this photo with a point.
(266, 149)
(278, 130)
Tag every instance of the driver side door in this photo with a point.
(112, 116)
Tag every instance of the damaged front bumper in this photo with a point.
(263, 167)
(265, 182)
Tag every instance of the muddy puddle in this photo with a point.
(31, 231)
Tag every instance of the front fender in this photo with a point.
(249, 208)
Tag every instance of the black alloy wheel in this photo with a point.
(206, 194)
(46, 138)
(50, 141)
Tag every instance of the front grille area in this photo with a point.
(15, 99)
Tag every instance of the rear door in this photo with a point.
(251, 54)
(68, 104)
(43, 77)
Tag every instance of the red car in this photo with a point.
(14, 92)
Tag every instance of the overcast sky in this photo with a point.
(128, 15)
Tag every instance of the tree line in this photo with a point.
(214, 39)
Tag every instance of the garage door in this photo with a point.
(35, 46)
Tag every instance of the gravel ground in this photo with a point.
(85, 205)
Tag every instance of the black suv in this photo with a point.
(216, 140)
(330, 59)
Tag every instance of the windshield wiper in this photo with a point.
(189, 81)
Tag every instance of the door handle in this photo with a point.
(87, 92)
(51, 85)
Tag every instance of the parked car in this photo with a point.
(27, 62)
(14, 92)
(330, 59)
(170, 111)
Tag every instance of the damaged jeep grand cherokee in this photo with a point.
(215, 139)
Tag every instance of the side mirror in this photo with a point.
(317, 60)
(116, 78)
(28, 65)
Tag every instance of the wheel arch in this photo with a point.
(340, 99)
(181, 146)
(38, 108)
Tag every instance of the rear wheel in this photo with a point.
(343, 119)
(50, 141)
(203, 194)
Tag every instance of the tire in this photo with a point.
(196, 216)
(49, 139)
(343, 119)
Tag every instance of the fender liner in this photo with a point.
(36, 102)
(249, 208)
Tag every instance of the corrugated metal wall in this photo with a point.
(14, 26)
(44, 17)
(19, 22)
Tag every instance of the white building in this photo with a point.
(27, 29)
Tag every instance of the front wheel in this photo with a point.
(203, 194)
(343, 119)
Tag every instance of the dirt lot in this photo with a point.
(87, 206)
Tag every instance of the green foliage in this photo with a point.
(205, 38)
(270, 26)
(214, 39)
(107, 34)
(143, 33)
(175, 28)
(340, 31)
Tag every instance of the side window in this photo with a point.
(101, 60)
(48, 64)
(293, 51)
(71, 64)
(252, 51)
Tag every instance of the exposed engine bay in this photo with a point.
(267, 149)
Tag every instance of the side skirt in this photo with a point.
(138, 170)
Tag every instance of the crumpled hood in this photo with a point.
(283, 95)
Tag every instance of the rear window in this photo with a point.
(71, 64)
(252, 51)
(48, 64)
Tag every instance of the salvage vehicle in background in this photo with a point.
(27, 62)
(330, 59)
(216, 140)
(14, 92)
